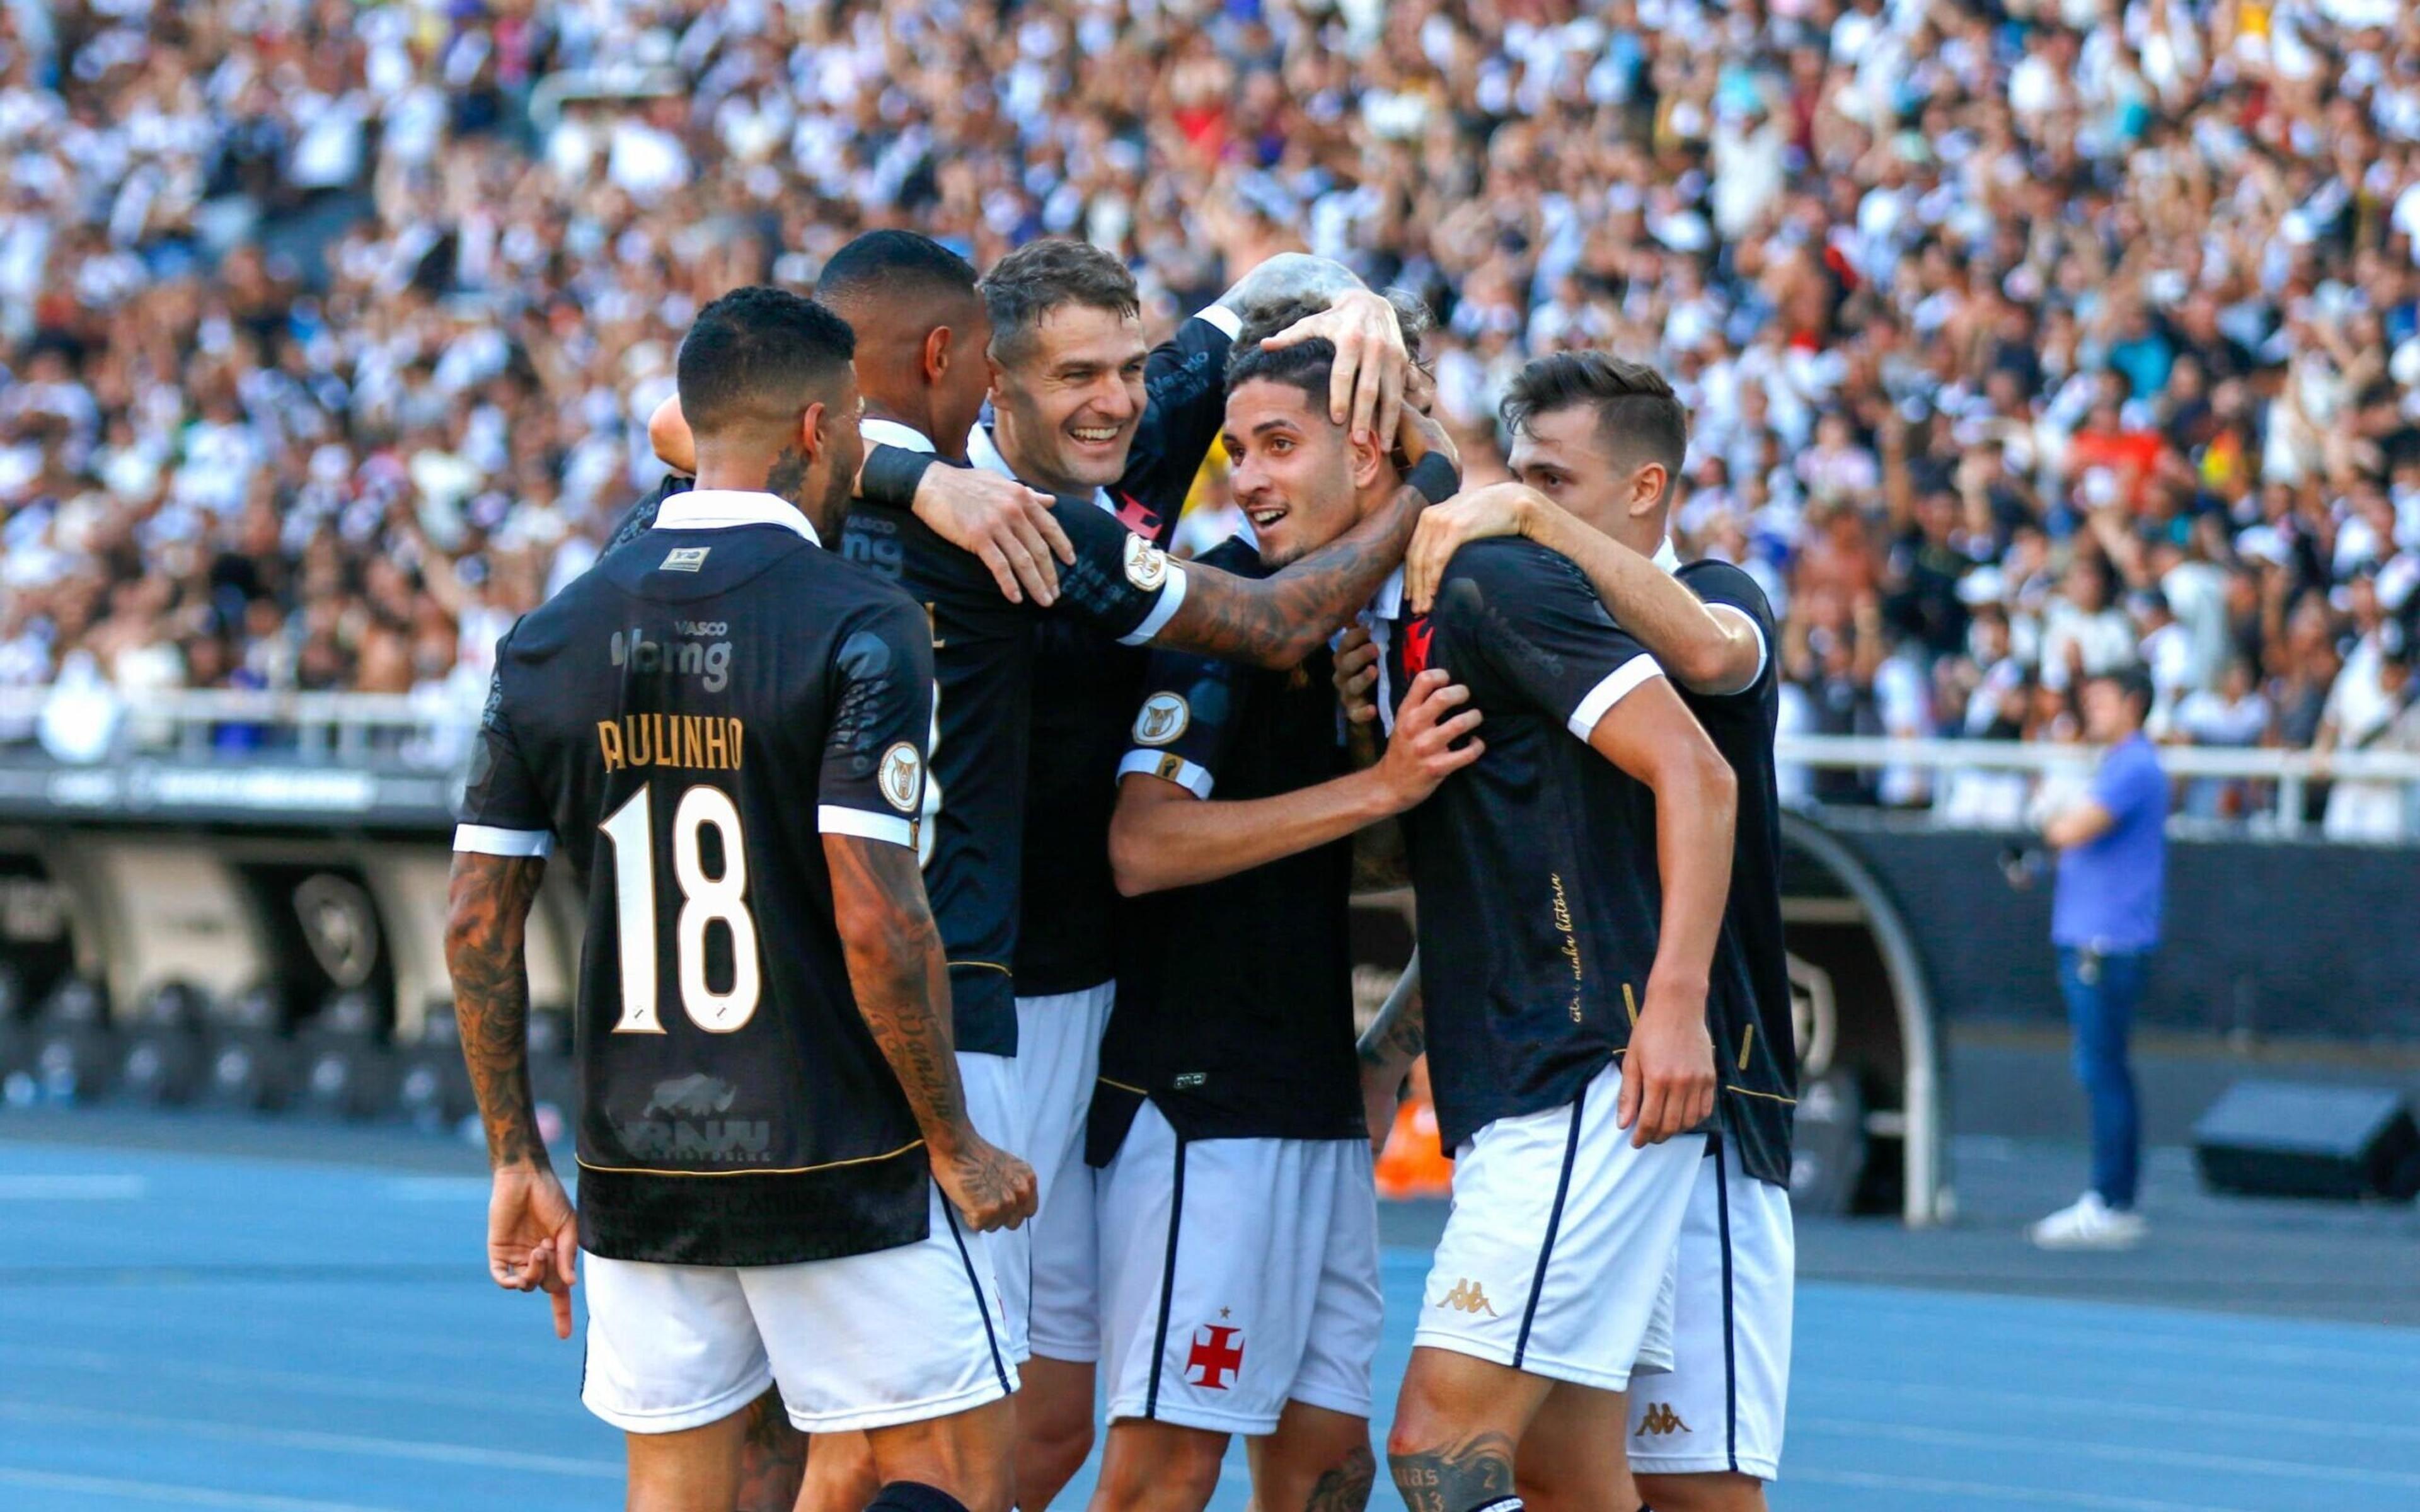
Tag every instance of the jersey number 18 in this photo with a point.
(704, 900)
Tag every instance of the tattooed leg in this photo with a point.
(1456, 1423)
(772, 1457)
(1316, 1461)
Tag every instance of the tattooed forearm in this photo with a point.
(900, 975)
(488, 908)
(1275, 622)
(1400, 1032)
(1345, 1488)
(773, 1458)
(1288, 277)
(1456, 1477)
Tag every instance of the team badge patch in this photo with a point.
(901, 776)
(1146, 564)
(1217, 1353)
(1164, 717)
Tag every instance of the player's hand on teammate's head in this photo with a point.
(1497, 509)
(1667, 1076)
(1365, 389)
(668, 432)
(1429, 744)
(1005, 523)
(534, 1238)
(990, 1188)
(1356, 676)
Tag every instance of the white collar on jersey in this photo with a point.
(982, 452)
(1387, 602)
(1665, 556)
(880, 432)
(716, 509)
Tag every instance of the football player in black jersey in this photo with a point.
(1572, 887)
(1238, 1213)
(917, 301)
(778, 1169)
(1596, 444)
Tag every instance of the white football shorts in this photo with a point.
(1058, 1059)
(866, 1341)
(1555, 1254)
(1722, 1405)
(1237, 1276)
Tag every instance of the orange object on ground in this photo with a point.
(1413, 1164)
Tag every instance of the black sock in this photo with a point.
(913, 1496)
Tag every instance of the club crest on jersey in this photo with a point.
(901, 776)
(1146, 564)
(1164, 717)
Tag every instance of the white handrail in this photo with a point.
(1834, 752)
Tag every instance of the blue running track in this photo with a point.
(191, 1331)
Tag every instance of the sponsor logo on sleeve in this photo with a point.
(1164, 717)
(1146, 564)
(901, 776)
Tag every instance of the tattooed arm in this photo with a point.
(1389, 1046)
(532, 1238)
(901, 981)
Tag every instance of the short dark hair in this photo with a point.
(756, 352)
(2134, 684)
(1305, 365)
(1635, 405)
(894, 264)
(1041, 276)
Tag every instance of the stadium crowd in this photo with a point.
(2020, 337)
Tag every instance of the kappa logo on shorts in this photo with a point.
(1661, 1420)
(1465, 1297)
(1163, 717)
(901, 776)
(1218, 1356)
(1146, 564)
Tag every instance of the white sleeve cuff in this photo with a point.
(487, 840)
(1616, 685)
(1170, 766)
(1172, 598)
(1225, 319)
(833, 819)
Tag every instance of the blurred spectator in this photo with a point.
(326, 328)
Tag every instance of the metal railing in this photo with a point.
(2280, 780)
(431, 734)
(97, 724)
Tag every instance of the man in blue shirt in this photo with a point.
(2112, 845)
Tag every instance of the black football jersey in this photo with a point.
(1118, 588)
(1756, 1045)
(1234, 1012)
(1086, 685)
(686, 721)
(1540, 898)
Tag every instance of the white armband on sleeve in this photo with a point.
(1170, 766)
(488, 840)
(1172, 598)
(1617, 684)
(834, 819)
